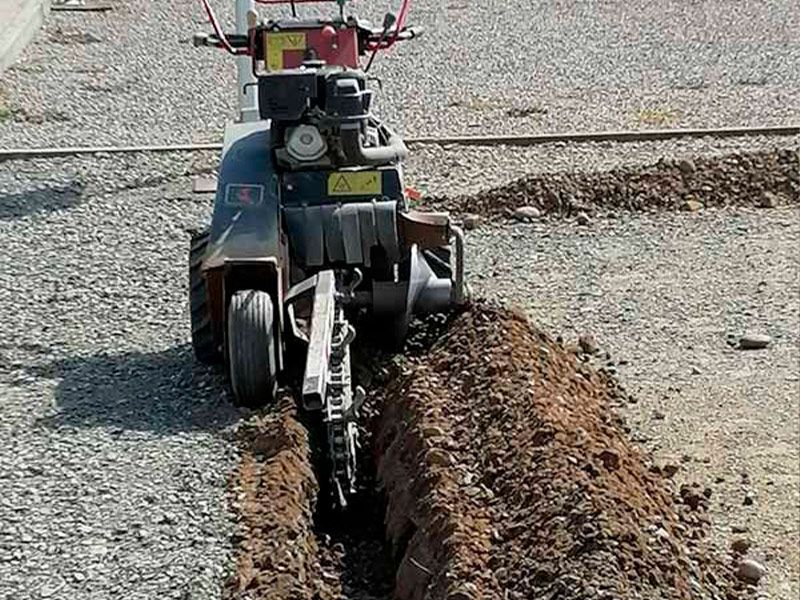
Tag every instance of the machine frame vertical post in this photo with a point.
(245, 88)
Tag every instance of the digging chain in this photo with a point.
(340, 410)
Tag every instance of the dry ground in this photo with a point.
(102, 401)
(662, 294)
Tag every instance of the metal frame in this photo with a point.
(245, 80)
(315, 379)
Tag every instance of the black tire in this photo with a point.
(251, 348)
(203, 343)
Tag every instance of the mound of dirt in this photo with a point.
(275, 491)
(754, 179)
(291, 543)
(509, 476)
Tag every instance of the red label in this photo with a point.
(244, 194)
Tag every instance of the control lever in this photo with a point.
(409, 33)
(388, 20)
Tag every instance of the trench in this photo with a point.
(352, 540)
(291, 542)
(355, 541)
(492, 465)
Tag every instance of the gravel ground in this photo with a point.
(132, 76)
(451, 171)
(102, 402)
(661, 294)
(559, 65)
(113, 442)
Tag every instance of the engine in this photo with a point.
(319, 104)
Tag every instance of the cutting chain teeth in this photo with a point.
(341, 408)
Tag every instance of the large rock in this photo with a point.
(768, 200)
(751, 570)
(204, 184)
(440, 458)
(471, 221)
(754, 341)
(741, 545)
(527, 213)
(588, 344)
(687, 166)
(692, 206)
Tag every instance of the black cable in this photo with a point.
(388, 21)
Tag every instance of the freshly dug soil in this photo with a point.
(275, 492)
(746, 179)
(291, 543)
(509, 476)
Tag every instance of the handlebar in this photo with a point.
(409, 33)
(379, 40)
(369, 40)
(237, 41)
(241, 43)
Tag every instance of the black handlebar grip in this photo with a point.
(200, 39)
(413, 32)
(209, 39)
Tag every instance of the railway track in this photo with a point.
(486, 140)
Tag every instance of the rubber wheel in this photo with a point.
(251, 348)
(203, 343)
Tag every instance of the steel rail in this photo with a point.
(643, 135)
(31, 153)
(647, 135)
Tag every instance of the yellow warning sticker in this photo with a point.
(279, 42)
(355, 183)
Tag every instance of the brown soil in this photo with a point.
(747, 179)
(291, 545)
(275, 491)
(508, 475)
